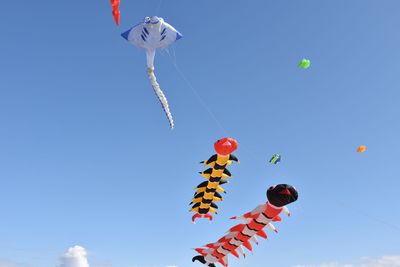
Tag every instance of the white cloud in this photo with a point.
(75, 257)
(385, 261)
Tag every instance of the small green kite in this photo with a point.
(304, 64)
(275, 159)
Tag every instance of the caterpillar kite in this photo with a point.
(207, 192)
(152, 34)
(115, 10)
(253, 224)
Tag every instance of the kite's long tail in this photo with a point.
(160, 96)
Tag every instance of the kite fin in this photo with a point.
(198, 215)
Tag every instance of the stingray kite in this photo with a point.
(115, 10)
(154, 33)
(207, 192)
(253, 224)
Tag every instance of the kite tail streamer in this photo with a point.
(115, 10)
(160, 95)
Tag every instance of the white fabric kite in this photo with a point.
(152, 34)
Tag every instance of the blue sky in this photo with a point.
(87, 156)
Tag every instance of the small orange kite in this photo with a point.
(361, 149)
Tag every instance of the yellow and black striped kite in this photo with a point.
(208, 191)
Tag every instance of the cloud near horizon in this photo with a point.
(385, 261)
(75, 257)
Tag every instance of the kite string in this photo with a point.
(367, 215)
(205, 106)
(203, 103)
(159, 7)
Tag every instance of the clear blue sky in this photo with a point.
(87, 157)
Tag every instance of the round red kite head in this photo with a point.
(225, 146)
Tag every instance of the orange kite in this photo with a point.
(361, 149)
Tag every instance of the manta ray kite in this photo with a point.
(152, 34)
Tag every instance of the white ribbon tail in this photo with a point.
(160, 95)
